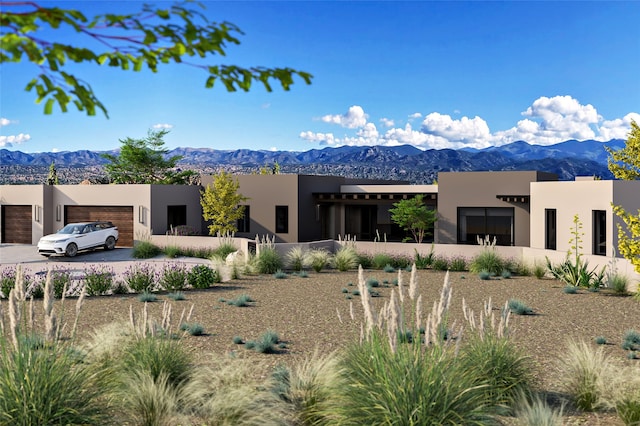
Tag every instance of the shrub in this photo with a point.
(46, 385)
(372, 282)
(582, 373)
(303, 274)
(487, 260)
(600, 340)
(422, 261)
(518, 307)
(440, 263)
(295, 259)
(345, 259)
(380, 260)
(98, 280)
(409, 386)
(178, 295)
(61, 280)
(202, 276)
(628, 409)
(506, 274)
(538, 412)
(268, 261)
(280, 274)
(498, 365)
(238, 340)
(7, 281)
(318, 259)
(174, 277)
(458, 264)
(172, 251)
(570, 289)
(140, 277)
(484, 275)
(193, 329)
(388, 268)
(365, 260)
(539, 271)
(618, 283)
(146, 296)
(631, 340)
(241, 301)
(145, 250)
(402, 262)
(223, 250)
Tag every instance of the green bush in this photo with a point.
(518, 307)
(484, 275)
(388, 268)
(570, 289)
(202, 276)
(422, 261)
(145, 250)
(506, 274)
(177, 296)
(401, 262)
(222, 251)
(496, 364)
(295, 259)
(458, 264)
(413, 385)
(487, 260)
(346, 259)
(61, 279)
(172, 251)
(140, 277)
(380, 260)
(618, 283)
(173, 277)
(193, 329)
(241, 301)
(146, 296)
(7, 281)
(46, 385)
(98, 280)
(280, 274)
(601, 340)
(318, 259)
(268, 261)
(365, 260)
(539, 271)
(440, 263)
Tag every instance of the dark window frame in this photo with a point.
(550, 229)
(244, 223)
(175, 212)
(511, 210)
(282, 219)
(599, 232)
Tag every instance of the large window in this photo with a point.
(282, 219)
(550, 229)
(176, 216)
(243, 223)
(474, 222)
(600, 232)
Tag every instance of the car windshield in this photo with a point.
(71, 229)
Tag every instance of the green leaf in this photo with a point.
(48, 106)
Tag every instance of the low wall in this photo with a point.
(529, 255)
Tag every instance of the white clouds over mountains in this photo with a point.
(547, 121)
(9, 141)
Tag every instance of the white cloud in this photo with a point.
(387, 122)
(618, 128)
(9, 141)
(354, 118)
(55, 150)
(547, 121)
(163, 126)
(4, 121)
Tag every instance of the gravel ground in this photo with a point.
(313, 313)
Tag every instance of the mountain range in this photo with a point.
(567, 159)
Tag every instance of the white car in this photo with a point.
(79, 236)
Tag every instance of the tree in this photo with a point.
(413, 215)
(150, 37)
(221, 204)
(52, 178)
(143, 161)
(625, 164)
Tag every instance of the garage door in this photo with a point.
(16, 224)
(120, 216)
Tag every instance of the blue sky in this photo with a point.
(430, 74)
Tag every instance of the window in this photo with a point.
(474, 222)
(176, 216)
(550, 229)
(282, 219)
(243, 223)
(600, 232)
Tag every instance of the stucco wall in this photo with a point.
(163, 196)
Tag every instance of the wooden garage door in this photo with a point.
(16, 224)
(120, 216)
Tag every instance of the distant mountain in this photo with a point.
(566, 159)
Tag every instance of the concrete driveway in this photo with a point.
(22, 253)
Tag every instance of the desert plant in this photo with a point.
(237, 340)
(458, 263)
(148, 400)
(365, 260)
(172, 251)
(44, 385)
(224, 249)
(7, 281)
(539, 271)
(177, 296)
(388, 268)
(583, 371)
(380, 260)
(303, 274)
(618, 283)
(99, 280)
(192, 328)
(280, 274)
(631, 340)
(295, 259)
(145, 249)
(173, 277)
(487, 260)
(423, 261)
(345, 258)
(440, 263)
(202, 276)
(140, 277)
(147, 296)
(570, 289)
(535, 411)
(506, 274)
(241, 301)
(318, 259)
(484, 275)
(268, 261)
(600, 340)
(265, 343)
(519, 307)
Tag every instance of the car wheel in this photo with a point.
(110, 244)
(72, 250)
